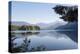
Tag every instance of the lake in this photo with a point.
(44, 41)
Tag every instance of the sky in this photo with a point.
(31, 12)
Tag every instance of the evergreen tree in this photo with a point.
(68, 13)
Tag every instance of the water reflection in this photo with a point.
(71, 34)
(39, 41)
(30, 33)
(26, 42)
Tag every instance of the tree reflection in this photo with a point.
(30, 33)
(25, 46)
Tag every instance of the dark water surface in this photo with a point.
(51, 40)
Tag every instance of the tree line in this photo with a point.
(23, 27)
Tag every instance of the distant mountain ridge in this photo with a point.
(72, 26)
(19, 23)
(50, 26)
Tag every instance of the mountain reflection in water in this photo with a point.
(39, 41)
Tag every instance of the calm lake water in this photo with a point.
(39, 41)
